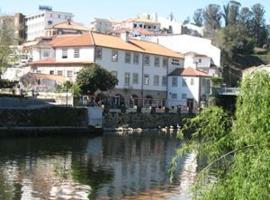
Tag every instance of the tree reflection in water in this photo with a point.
(113, 166)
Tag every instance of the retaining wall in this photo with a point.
(141, 120)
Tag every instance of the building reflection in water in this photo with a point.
(107, 167)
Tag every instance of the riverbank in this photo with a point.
(137, 121)
(48, 131)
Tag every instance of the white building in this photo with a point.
(141, 67)
(38, 23)
(170, 25)
(187, 87)
(138, 23)
(101, 25)
(187, 43)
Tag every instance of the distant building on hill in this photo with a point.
(37, 24)
(17, 23)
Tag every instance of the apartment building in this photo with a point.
(38, 23)
(141, 67)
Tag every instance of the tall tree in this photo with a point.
(6, 40)
(212, 19)
(231, 12)
(258, 24)
(198, 17)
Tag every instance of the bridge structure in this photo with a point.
(228, 91)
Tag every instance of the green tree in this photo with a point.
(212, 16)
(237, 152)
(234, 39)
(198, 17)
(93, 78)
(6, 40)
(231, 13)
(258, 27)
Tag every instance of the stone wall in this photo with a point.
(141, 120)
(44, 117)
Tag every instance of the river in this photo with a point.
(112, 166)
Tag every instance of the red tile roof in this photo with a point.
(109, 41)
(53, 62)
(188, 72)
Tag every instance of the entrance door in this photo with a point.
(190, 104)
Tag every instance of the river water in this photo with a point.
(112, 166)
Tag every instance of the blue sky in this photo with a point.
(84, 10)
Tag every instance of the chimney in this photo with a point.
(124, 36)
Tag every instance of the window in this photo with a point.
(60, 73)
(200, 60)
(146, 79)
(127, 78)
(127, 57)
(50, 22)
(164, 81)
(156, 80)
(192, 81)
(77, 53)
(184, 96)
(51, 72)
(136, 58)
(38, 71)
(184, 83)
(174, 96)
(64, 53)
(59, 16)
(98, 53)
(114, 55)
(175, 62)
(157, 61)
(174, 82)
(146, 60)
(135, 78)
(45, 54)
(69, 74)
(165, 62)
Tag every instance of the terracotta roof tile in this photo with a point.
(114, 42)
(69, 25)
(73, 40)
(188, 72)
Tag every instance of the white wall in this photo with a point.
(42, 53)
(86, 54)
(191, 60)
(187, 43)
(36, 24)
(64, 69)
(192, 91)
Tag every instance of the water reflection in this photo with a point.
(107, 167)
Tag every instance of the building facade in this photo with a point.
(38, 23)
(141, 67)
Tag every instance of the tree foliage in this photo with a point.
(198, 17)
(6, 40)
(93, 78)
(212, 18)
(238, 151)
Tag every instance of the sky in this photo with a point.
(85, 10)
